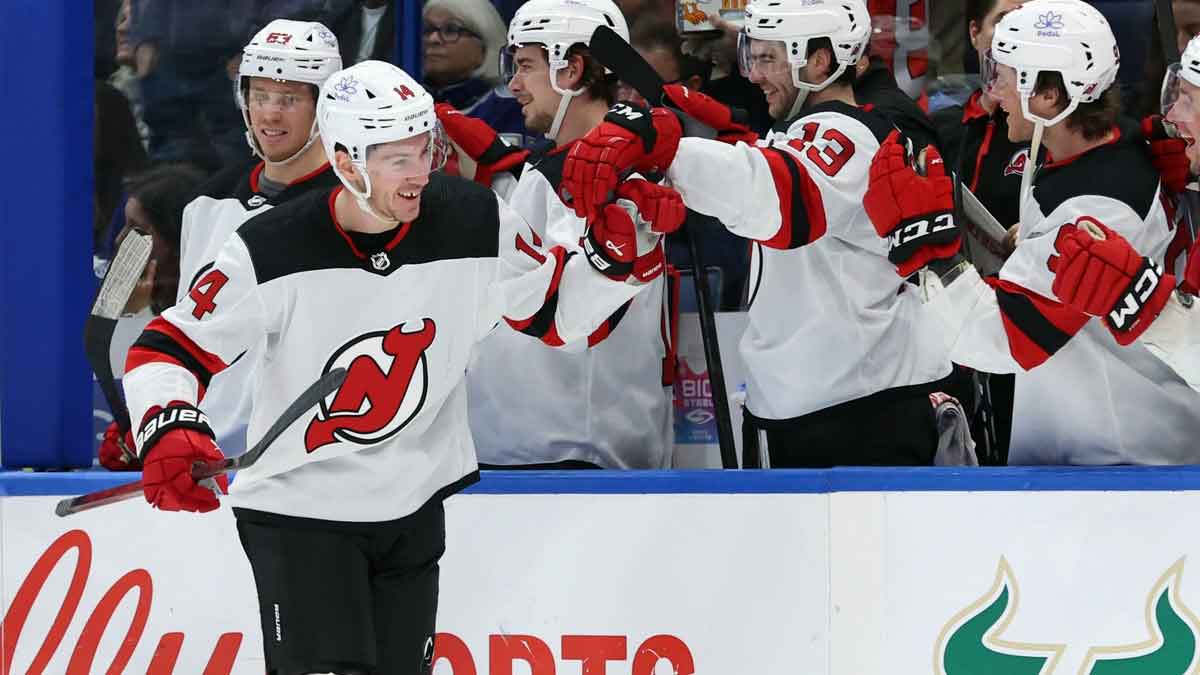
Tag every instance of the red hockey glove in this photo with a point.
(116, 452)
(915, 213)
(618, 247)
(1098, 272)
(659, 206)
(730, 123)
(630, 138)
(481, 143)
(1168, 154)
(172, 439)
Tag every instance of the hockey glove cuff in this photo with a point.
(172, 439)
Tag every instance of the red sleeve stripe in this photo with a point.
(801, 211)
(608, 326)
(529, 250)
(140, 356)
(164, 337)
(1037, 327)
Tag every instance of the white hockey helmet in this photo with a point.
(795, 23)
(1069, 37)
(558, 25)
(292, 51)
(1187, 70)
(375, 102)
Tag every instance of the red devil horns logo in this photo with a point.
(386, 382)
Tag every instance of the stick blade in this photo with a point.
(619, 56)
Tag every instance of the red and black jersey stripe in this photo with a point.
(162, 342)
(541, 324)
(801, 210)
(1036, 327)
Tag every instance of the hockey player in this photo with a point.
(281, 72)
(1056, 61)
(395, 274)
(608, 406)
(840, 355)
(1096, 266)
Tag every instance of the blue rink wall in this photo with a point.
(847, 571)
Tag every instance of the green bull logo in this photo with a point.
(972, 642)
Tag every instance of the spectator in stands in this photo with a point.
(124, 77)
(462, 42)
(662, 47)
(117, 154)
(367, 32)
(155, 207)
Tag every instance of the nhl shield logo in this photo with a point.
(387, 380)
(380, 261)
(256, 201)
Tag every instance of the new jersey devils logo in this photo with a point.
(386, 382)
(1016, 165)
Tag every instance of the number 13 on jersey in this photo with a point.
(829, 149)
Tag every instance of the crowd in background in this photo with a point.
(166, 116)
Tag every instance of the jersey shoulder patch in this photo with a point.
(1121, 171)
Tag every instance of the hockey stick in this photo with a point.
(310, 397)
(619, 56)
(119, 281)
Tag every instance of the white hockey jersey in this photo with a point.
(401, 311)
(829, 319)
(227, 200)
(604, 402)
(1080, 397)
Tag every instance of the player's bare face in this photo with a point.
(530, 84)
(281, 116)
(769, 68)
(1004, 90)
(399, 171)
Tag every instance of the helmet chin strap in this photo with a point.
(563, 103)
(362, 196)
(801, 97)
(313, 135)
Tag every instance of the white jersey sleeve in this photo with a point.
(547, 290)
(790, 188)
(177, 355)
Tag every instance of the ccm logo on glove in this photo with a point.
(918, 229)
(1140, 290)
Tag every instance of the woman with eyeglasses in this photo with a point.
(462, 41)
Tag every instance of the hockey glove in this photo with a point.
(116, 452)
(625, 239)
(171, 440)
(481, 143)
(630, 139)
(729, 123)
(1098, 272)
(1168, 154)
(914, 212)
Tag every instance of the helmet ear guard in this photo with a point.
(373, 103)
